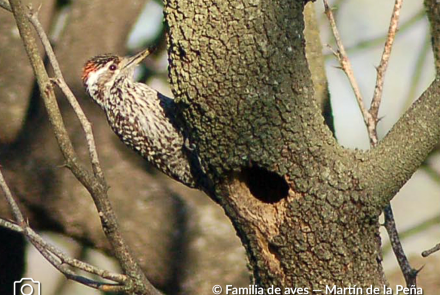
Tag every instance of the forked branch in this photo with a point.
(56, 257)
(60, 81)
(94, 182)
(383, 65)
(345, 64)
(371, 119)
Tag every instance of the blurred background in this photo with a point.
(183, 239)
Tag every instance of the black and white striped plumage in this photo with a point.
(142, 118)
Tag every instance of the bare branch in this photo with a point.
(10, 225)
(371, 119)
(370, 116)
(14, 207)
(381, 69)
(59, 79)
(69, 274)
(344, 61)
(65, 259)
(56, 257)
(418, 228)
(379, 40)
(409, 273)
(41, 245)
(94, 183)
(431, 251)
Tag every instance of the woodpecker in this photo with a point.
(144, 119)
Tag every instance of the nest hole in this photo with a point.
(266, 186)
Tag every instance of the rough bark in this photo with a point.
(306, 209)
(387, 167)
(167, 225)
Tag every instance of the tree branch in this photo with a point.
(345, 63)
(14, 207)
(95, 185)
(417, 229)
(379, 40)
(409, 273)
(56, 257)
(431, 251)
(381, 69)
(371, 119)
(60, 81)
(405, 147)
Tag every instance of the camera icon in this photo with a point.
(27, 286)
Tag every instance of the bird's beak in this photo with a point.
(136, 59)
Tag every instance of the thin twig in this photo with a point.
(55, 256)
(344, 61)
(97, 189)
(335, 4)
(70, 274)
(418, 228)
(371, 119)
(14, 207)
(94, 187)
(409, 273)
(383, 65)
(431, 251)
(65, 259)
(379, 40)
(10, 225)
(78, 253)
(60, 81)
(60, 261)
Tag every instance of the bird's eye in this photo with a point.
(112, 68)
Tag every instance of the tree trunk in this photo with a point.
(306, 209)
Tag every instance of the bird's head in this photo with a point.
(101, 72)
